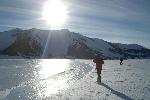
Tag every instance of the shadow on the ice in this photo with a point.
(121, 95)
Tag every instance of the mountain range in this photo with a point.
(37, 43)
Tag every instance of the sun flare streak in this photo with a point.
(46, 45)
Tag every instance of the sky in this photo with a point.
(118, 21)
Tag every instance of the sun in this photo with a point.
(55, 12)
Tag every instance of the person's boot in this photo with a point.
(99, 79)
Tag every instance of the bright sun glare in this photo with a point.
(48, 68)
(55, 12)
(52, 67)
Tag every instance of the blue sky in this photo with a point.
(123, 21)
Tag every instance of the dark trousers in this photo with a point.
(99, 74)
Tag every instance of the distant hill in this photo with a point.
(33, 43)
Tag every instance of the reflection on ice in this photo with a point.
(52, 67)
(48, 71)
(57, 75)
(52, 87)
(39, 79)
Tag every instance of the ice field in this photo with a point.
(64, 79)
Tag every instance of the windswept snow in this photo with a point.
(103, 46)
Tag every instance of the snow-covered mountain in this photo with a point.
(36, 43)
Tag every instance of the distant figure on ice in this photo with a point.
(99, 61)
(121, 61)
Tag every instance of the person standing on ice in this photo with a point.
(121, 61)
(99, 61)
